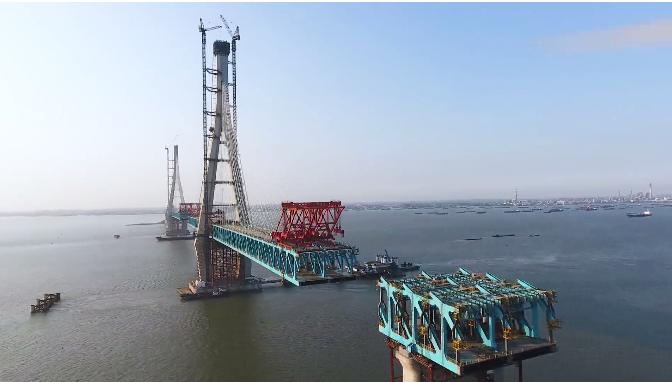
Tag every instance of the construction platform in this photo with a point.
(467, 323)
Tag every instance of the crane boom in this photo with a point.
(234, 36)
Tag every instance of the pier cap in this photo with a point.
(220, 47)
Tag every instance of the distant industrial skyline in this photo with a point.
(409, 101)
(161, 209)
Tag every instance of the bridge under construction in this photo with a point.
(438, 328)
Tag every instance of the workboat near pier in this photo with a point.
(199, 290)
(404, 267)
(384, 265)
(165, 237)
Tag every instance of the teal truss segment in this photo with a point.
(300, 266)
(319, 264)
(271, 257)
(465, 321)
(193, 222)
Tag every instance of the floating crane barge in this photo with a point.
(463, 324)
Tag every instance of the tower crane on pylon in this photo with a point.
(203, 30)
(234, 37)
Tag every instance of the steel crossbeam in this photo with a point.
(444, 317)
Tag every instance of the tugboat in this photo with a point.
(385, 265)
(644, 214)
(166, 237)
(394, 263)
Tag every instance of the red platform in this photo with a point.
(193, 209)
(303, 224)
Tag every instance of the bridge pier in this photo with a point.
(412, 370)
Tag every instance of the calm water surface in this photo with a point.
(120, 318)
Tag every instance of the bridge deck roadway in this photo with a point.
(306, 266)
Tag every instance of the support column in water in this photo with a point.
(411, 368)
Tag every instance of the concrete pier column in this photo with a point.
(411, 369)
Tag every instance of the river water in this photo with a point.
(120, 318)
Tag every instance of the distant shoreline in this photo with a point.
(348, 205)
(64, 213)
(157, 223)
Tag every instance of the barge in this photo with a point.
(190, 236)
(644, 214)
(199, 290)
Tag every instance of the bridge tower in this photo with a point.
(174, 227)
(219, 265)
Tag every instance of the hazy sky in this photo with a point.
(358, 102)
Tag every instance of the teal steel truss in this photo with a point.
(193, 222)
(299, 268)
(456, 319)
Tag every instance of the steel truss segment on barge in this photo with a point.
(467, 322)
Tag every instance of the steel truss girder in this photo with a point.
(274, 258)
(282, 261)
(193, 221)
(428, 296)
(320, 262)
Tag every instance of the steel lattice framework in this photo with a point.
(467, 322)
(225, 266)
(191, 209)
(303, 224)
